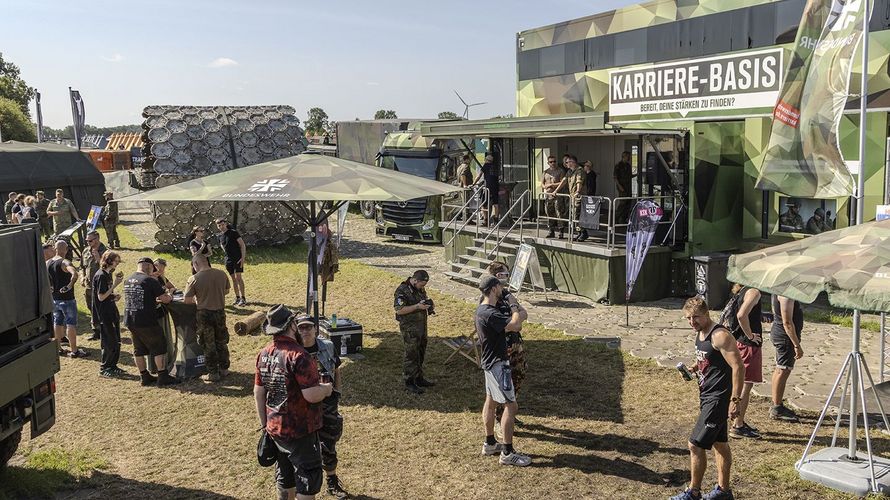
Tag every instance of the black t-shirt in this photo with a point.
(229, 243)
(490, 174)
(777, 331)
(490, 324)
(196, 246)
(59, 278)
(140, 295)
(714, 373)
(105, 310)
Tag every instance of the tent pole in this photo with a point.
(313, 261)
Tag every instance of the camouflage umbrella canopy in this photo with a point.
(852, 265)
(315, 179)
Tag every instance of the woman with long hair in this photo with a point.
(105, 309)
(749, 339)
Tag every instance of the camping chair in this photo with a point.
(465, 345)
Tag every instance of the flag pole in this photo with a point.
(860, 211)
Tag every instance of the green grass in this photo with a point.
(840, 319)
(44, 473)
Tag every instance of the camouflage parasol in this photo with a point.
(852, 265)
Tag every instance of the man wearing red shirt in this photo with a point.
(287, 389)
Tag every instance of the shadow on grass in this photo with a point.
(617, 467)
(33, 483)
(565, 379)
(600, 442)
(354, 248)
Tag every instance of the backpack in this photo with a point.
(729, 318)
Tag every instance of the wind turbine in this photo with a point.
(467, 106)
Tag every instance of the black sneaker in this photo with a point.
(422, 382)
(550, 234)
(148, 379)
(743, 432)
(335, 488)
(750, 428)
(411, 386)
(64, 341)
(94, 336)
(782, 412)
(165, 379)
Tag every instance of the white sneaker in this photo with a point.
(516, 459)
(492, 449)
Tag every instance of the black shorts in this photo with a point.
(234, 267)
(299, 465)
(784, 353)
(712, 425)
(492, 198)
(148, 340)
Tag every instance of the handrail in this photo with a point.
(523, 210)
(570, 221)
(674, 208)
(460, 211)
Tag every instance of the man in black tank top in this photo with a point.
(62, 278)
(785, 334)
(721, 376)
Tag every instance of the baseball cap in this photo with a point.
(487, 282)
(221, 219)
(304, 319)
(421, 275)
(145, 260)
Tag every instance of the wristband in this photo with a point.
(735, 400)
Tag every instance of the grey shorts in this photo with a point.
(499, 383)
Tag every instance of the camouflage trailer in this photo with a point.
(687, 87)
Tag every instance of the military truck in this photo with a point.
(398, 145)
(29, 356)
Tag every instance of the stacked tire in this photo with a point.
(188, 142)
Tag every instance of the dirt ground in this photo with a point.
(598, 423)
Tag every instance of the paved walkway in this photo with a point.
(657, 329)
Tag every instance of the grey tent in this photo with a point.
(28, 167)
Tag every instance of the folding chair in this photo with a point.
(465, 345)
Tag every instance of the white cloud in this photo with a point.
(116, 58)
(222, 62)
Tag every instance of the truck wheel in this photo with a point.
(8, 447)
(367, 208)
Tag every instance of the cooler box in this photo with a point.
(348, 333)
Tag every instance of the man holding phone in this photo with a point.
(412, 308)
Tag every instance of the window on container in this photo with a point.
(601, 52)
(528, 64)
(717, 35)
(663, 42)
(788, 15)
(630, 47)
(695, 36)
(575, 57)
(880, 17)
(762, 25)
(739, 29)
(553, 60)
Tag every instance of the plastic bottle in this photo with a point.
(333, 321)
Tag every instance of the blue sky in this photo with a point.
(348, 57)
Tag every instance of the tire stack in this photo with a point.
(188, 142)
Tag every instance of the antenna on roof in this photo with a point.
(467, 106)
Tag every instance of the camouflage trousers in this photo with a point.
(518, 363)
(214, 339)
(88, 300)
(111, 234)
(415, 351)
(46, 227)
(555, 208)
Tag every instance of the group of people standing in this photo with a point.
(729, 362)
(58, 214)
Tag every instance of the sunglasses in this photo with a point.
(502, 275)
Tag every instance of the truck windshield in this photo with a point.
(421, 167)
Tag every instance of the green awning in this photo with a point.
(538, 127)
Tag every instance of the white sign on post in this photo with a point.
(527, 261)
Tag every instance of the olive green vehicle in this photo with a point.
(399, 145)
(28, 353)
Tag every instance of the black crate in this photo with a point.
(348, 332)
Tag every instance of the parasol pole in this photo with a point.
(313, 260)
(860, 210)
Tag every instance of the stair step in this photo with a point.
(464, 278)
(474, 270)
(504, 244)
(480, 250)
(473, 258)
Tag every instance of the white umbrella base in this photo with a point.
(831, 467)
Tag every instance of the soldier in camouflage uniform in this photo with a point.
(46, 228)
(412, 309)
(577, 181)
(207, 288)
(110, 219)
(554, 206)
(92, 256)
(791, 219)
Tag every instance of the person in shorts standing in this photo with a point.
(721, 375)
(104, 310)
(142, 293)
(328, 364)
(207, 288)
(492, 326)
(489, 175)
(236, 255)
(287, 388)
(749, 339)
(62, 211)
(199, 245)
(785, 335)
(62, 278)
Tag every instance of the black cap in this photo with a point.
(145, 260)
(421, 275)
(487, 282)
(278, 318)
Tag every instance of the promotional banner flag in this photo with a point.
(644, 220)
(78, 114)
(93, 217)
(803, 158)
(39, 117)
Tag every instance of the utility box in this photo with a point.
(347, 336)
(709, 273)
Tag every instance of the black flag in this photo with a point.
(39, 118)
(79, 115)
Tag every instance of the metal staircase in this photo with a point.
(499, 242)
